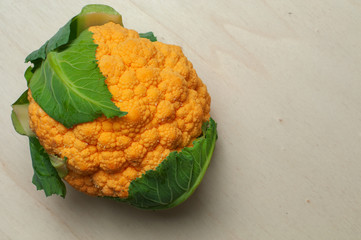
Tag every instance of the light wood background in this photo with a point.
(285, 81)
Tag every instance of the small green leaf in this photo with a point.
(20, 116)
(16, 124)
(62, 37)
(93, 14)
(177, 177)
(69, 86)
(45, 176)
(20, 120)
(23, 99)
(148, 35)
(28, 74)
(59, 164)
(97, 14)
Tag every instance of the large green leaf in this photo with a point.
(45, 175)
(176, 178)
(69, 86)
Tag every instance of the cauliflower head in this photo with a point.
(166, 104)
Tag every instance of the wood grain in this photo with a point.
(285, 84)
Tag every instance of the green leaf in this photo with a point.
(59, 164)
(20, 120)
(148, 35)
(23, 99)
(62, 37)
(93, 14)
(29, 74)
(45, 176)
(20, 116)
(69, 86)
(177, 177)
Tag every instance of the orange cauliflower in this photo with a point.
(166, 101)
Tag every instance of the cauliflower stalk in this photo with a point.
(115, 114)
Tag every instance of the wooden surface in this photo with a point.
(285, 81)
